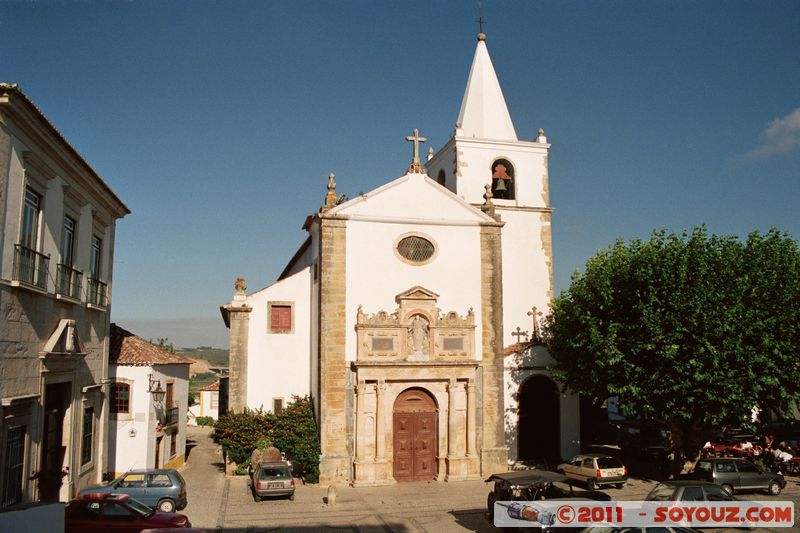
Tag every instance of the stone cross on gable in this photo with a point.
(535, 314)
(416, 166)
(519, 334)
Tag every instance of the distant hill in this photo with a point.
(214, 356)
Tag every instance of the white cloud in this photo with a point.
(781, 137)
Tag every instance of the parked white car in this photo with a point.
(596, 470)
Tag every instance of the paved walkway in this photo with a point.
(225, 504)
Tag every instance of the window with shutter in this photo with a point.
(280, 318)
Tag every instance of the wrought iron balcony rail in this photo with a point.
(68, 282)
(96, 292)
(30, 267)
(172, 414)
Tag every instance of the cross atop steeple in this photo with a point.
(481, 22)
(415, 165)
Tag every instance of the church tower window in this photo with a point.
(415, 249)
(503, 179)
(441, 178)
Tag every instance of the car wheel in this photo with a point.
(728, 488)
(774, 488)
(291, 497)
(166, 506)
(591, 484)
(619, 485)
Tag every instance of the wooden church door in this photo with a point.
(415, 436)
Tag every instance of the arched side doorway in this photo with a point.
(539, 421)
(415, 436)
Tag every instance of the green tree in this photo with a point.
(689, 331)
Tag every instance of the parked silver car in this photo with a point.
(164, 489)
(272, 479)
(734, 474)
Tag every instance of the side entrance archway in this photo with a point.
(415, 436)
(539, 420)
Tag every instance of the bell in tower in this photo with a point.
(503, 180)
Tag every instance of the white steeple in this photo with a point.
(484, 114)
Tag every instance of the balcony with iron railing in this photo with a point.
(68, 282)
(96, 293)
(30, 267)
(171, 414)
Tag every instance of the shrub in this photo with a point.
(204, 421)
(294, 432)
(238, 433)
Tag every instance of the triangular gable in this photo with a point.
(417, 294)
(413, 197)
(64, 341)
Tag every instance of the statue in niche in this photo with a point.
(418, 335)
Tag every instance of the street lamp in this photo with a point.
(155, 389)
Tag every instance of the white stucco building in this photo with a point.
(149, 395)
(410, 314)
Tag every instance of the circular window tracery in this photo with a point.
(416, 249)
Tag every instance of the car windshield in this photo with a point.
(662, 493)
(139, 508)
(608, 462)
(275, 473)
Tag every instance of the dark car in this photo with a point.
(164, 488)
(272, 479)
(531, 485)
(98, 512)
(688, 491)
(735, 474)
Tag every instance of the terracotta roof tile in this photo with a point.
(515, 348)
(212, 387)
(129, 350)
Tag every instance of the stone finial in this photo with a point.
(488, 205)
(540, 137)
(240, 285)
(330, 198)
(430, 153)
(240, 298)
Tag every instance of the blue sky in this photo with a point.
(218, 122)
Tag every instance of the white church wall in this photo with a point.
(278, 364)
(475, 168)
(525, 267)
(375, 274)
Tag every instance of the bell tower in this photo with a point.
(484, 149)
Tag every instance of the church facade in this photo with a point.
(410, 314)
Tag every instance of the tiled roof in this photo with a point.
(212, 387)
(129, 350)
(515, 348)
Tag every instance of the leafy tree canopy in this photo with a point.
(689, 331)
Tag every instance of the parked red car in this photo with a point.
(117, 512)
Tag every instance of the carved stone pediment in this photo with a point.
(416, 331)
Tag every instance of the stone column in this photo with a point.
(239, 316)
(452, 419)
(335, 461)
(471, 433)
(380, 422)
(360, 392)
(493, 449)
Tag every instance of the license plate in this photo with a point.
(278, 485)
